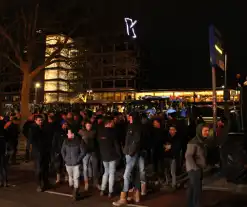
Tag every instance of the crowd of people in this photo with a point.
(91, 147)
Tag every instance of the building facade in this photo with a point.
(110, 70)
(59, 74)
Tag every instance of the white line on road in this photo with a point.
(69, 195)
(57, 193)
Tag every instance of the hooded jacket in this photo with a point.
(196, 153)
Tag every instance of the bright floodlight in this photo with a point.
(37, 85)
(130, 27)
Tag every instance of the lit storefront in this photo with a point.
(189, 96)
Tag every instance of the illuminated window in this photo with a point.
(65, 65)
(51, 74)
(50, 86)
(53, 65)
(63, 74)
(50, 97)
(62, 97)
(63, 86)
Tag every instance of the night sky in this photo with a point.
(177, 37)
(173, 36)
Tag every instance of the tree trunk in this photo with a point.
(25, 93)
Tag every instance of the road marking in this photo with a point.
(69, 195)
(216, 188)
(57, 193)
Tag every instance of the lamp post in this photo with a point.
(37, 86)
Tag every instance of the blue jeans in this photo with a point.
(130, 164)
(109, 174)
(141, 165)
(90, 160)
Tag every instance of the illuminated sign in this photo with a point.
(217, 57)
(130, 27)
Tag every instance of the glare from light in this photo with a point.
(218, 49)
(37, 85)
(130, 27)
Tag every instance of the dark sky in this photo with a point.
(176, 36)
(173, 35)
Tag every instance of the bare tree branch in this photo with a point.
(23, 17)
(49, 59)
(35, 19)
(47, 62)
(7, 37)
(11, 60)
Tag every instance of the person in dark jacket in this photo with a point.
(172, 152)
(131, 151)
(158, 136)
(145, 148)
(89, 138)
(41, 153)
(12, 134)
(59, 137)
(49, 129)
(73, 152)
(110, 154)
(25, 130)
(3, 156)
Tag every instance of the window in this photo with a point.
(96, 84)
(131, 83)
(50, 97)
(107, 84)
(63, 74)
(51, 74)
(120, 47)
(120, 83)
(63, 86)
(108, 71)
(63, 97)
(50, 86)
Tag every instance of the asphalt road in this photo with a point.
(22, 193)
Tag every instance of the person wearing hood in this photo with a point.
(195, 161)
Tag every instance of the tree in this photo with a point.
(22, 32)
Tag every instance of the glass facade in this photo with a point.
(57, 75)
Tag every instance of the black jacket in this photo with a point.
(108, 144)
(58, 139)
(146, 130)
(73, 151)
(158, 136)
(176, 146)
(40, 143)
(90, 140)
(132, 140)
(26, 128)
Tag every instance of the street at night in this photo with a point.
(123, 103)
(21, 193)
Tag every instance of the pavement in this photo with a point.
(22, 193)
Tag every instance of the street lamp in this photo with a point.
(37, 86)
